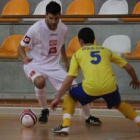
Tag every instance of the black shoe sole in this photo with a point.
(42, 122)
(98, 124)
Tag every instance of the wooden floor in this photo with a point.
(111, 129)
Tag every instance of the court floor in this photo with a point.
(113, 128)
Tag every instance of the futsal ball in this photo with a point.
(28, 118)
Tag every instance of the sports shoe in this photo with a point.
(61, 130)
(44, 116)
(93, 121)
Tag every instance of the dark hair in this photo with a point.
(53, 8)
(87, 35)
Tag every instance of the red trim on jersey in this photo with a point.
(32, 73)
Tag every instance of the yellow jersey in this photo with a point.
(94, 61)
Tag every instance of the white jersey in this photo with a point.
(44, 44)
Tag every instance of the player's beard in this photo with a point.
(51, 26)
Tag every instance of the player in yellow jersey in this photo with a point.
(99, 80)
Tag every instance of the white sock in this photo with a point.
(137, 119)
(41, 96)
(66, 115)
(86, 110)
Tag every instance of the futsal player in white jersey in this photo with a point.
(45, 40)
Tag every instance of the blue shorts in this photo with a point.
(112, 99)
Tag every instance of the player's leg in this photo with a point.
(56, 79)
(76, 93)
(41, 96)
(89, 119)
(114, 100)
(40, 90)
(129, 112)
(67, 111)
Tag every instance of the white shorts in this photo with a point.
(55, 77)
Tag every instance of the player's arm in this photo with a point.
(73, 73)
(135, 83)
(64, 56)
(65, 86)
(27, 42)
(22, 53)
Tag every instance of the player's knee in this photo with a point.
(120, 105)
(40, 82)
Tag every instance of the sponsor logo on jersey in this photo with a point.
(32, 73)
(52, 43)
(55, 34)
(53, 50)
(27, 39)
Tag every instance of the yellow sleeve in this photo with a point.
(117, 60)
(74, 67)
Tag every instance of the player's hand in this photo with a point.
(54, 104)
(135, 84)
(26, 60)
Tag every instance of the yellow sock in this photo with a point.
(68, 105)
(127, 110)
(66, 122)
(68, 110)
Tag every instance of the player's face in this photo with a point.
(52, 21)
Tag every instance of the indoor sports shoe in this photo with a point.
(93, 121)
(61, 130)
(44, 116)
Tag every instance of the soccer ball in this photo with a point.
(28, 118)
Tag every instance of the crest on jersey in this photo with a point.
(53, 50)
(27, 39)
